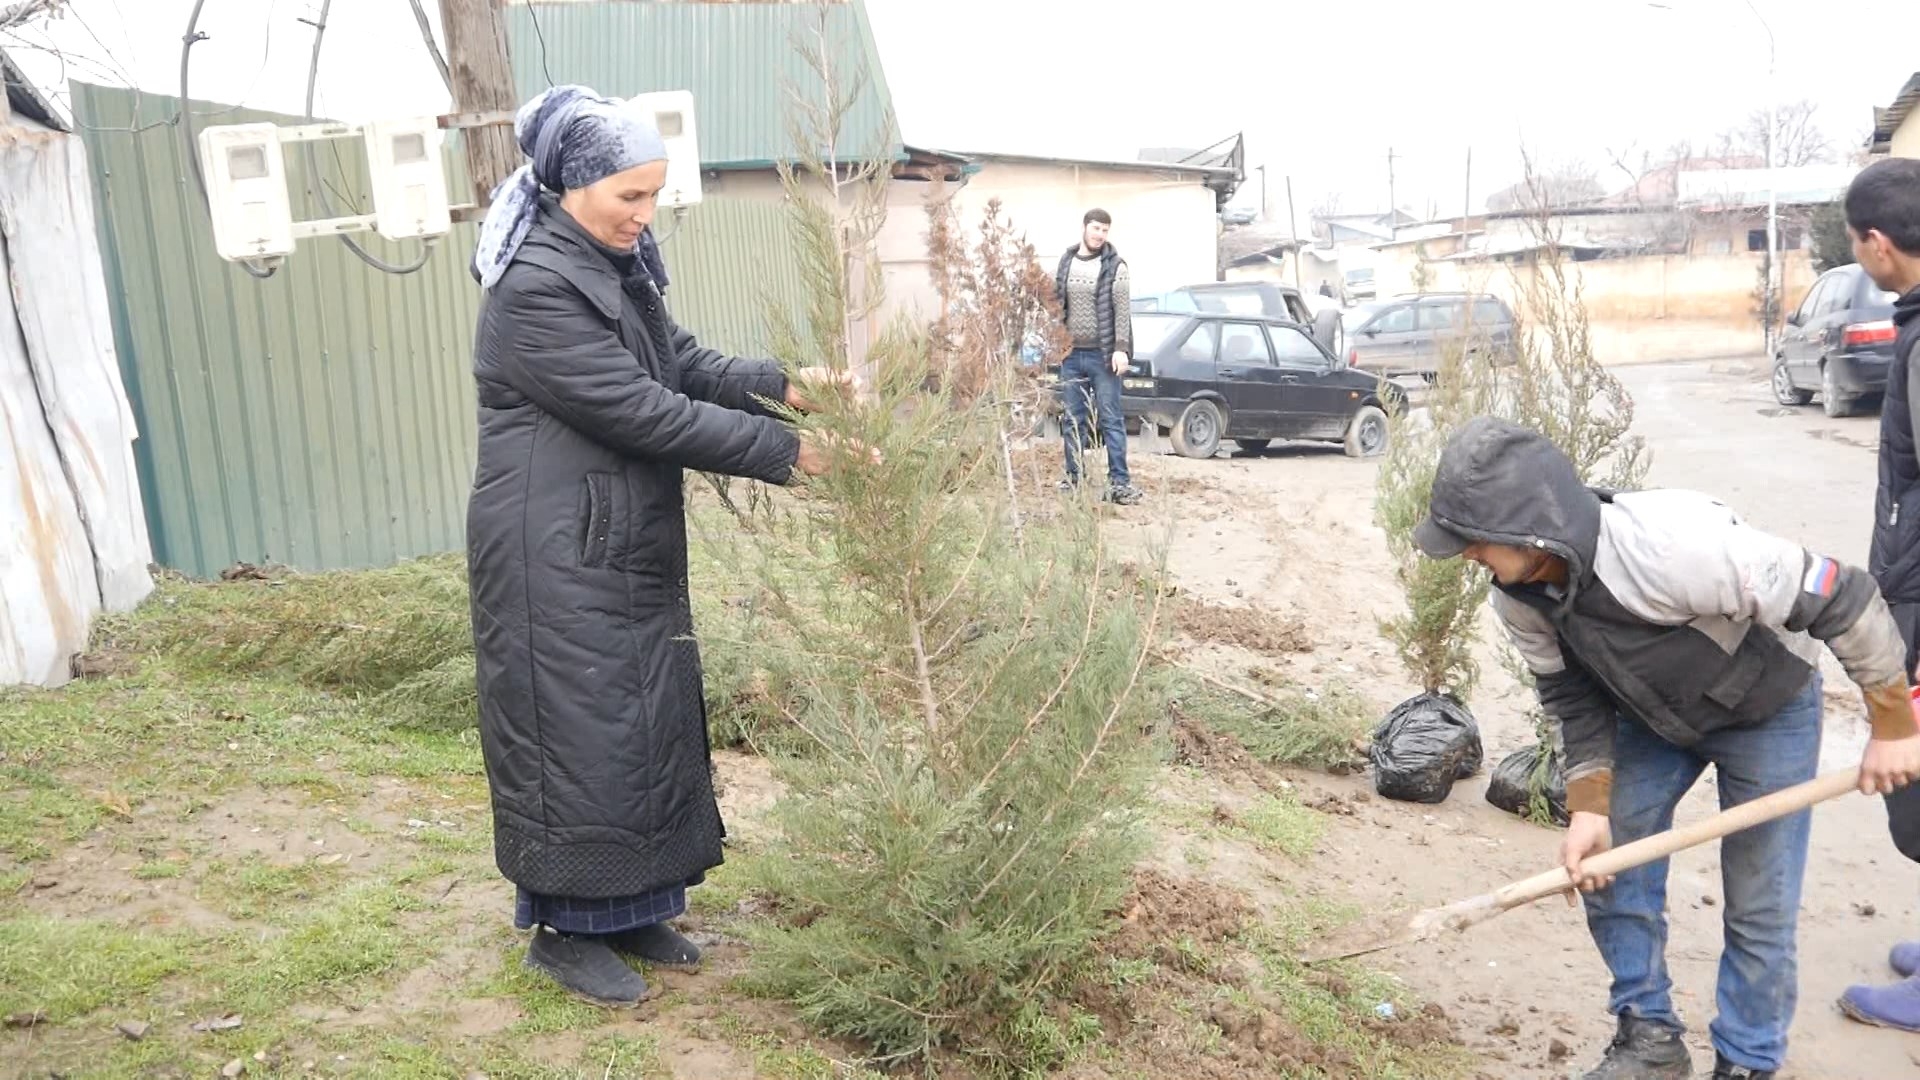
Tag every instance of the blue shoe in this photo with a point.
(1896, 1006)
(1905, 959)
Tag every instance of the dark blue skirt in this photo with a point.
(569, 915)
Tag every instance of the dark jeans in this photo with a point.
(1087, 382)
(1761, 870)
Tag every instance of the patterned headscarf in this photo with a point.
(572, 137)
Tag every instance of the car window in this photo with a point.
(1297, 309)
(1292, 348)
(1178, 300)
(1440, 316)
(1152, 329)
(1198, 347)
(1835, 294)
(1398, 320)
(1490, 313)
(1812, 302)
(1244, 343)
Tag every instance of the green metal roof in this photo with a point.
(739, 60)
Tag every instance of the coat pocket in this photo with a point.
(599, 520)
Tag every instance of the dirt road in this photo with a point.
(1292, 531)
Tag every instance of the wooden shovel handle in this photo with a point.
(1660, 845)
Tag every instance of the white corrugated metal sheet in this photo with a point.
(73, 533)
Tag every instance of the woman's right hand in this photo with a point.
(817, 453)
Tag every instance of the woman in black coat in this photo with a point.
(592, 402)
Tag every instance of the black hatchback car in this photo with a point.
(1840, 340)
(1205, 377)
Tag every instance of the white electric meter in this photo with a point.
(672, 113)
(247, 191)
(409, 178)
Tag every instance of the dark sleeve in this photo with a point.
(1913, 388)
(559, 352)
(727, 381)
(1571, 698)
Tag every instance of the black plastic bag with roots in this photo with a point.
(1511, 788)
(1423, 746)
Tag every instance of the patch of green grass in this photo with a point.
(159, 870)
(726, 885)
(1283, 824)
(252, 887)
(12, 881)
(38, 809)
(70, 967)
(1127, 971)
(545, 1008)
(776, 1062)
(632, 1058)
(344, 944)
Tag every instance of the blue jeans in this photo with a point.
(1761, 870)
(1087, 382)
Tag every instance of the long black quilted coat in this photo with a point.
(592, 724)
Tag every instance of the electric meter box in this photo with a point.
(247, 191)
(409, 178)
(672, 114)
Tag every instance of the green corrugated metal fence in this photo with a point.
(739, 60)
(324, 418)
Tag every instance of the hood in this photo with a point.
(1502, 483)
(1907, 308)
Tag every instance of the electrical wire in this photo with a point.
(542, 37)
(313, 163)
(426, 34)
(187, 42)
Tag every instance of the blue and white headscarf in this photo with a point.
(572, 137)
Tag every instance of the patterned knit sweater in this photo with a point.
(1083, 318)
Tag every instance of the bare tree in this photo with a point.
(1569, 182)
(1798, 137)
(25, 11)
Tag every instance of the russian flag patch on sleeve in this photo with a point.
(1823, 574)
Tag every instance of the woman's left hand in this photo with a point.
(804, 388)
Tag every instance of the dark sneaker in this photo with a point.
(586, 966)
(1727, 1070)
(1125, 496)
(1896, 1006)
(1644, 1050)
(657, 944)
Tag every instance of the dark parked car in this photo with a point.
(1840, 339)
(1204, 377)
(1405, 335)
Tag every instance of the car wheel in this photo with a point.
(1254, 446)
(1784, 391)
(1832, 401)
(1367, 435)
(1340, 339)
(1198, 432)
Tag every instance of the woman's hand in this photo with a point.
(818, 453)
(809, 386)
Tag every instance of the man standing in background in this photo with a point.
(1095, 296)
(1883, 220)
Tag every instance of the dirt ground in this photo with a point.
(1291, 532)
(348, 893)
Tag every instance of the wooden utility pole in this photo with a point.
(482, 77)
(1293, 231)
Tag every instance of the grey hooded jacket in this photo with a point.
(1675, 611)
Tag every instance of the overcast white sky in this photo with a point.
(1322, 90)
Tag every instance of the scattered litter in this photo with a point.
(334, 859)
(1384, 1010)
(224, 1023)
(416, 823)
